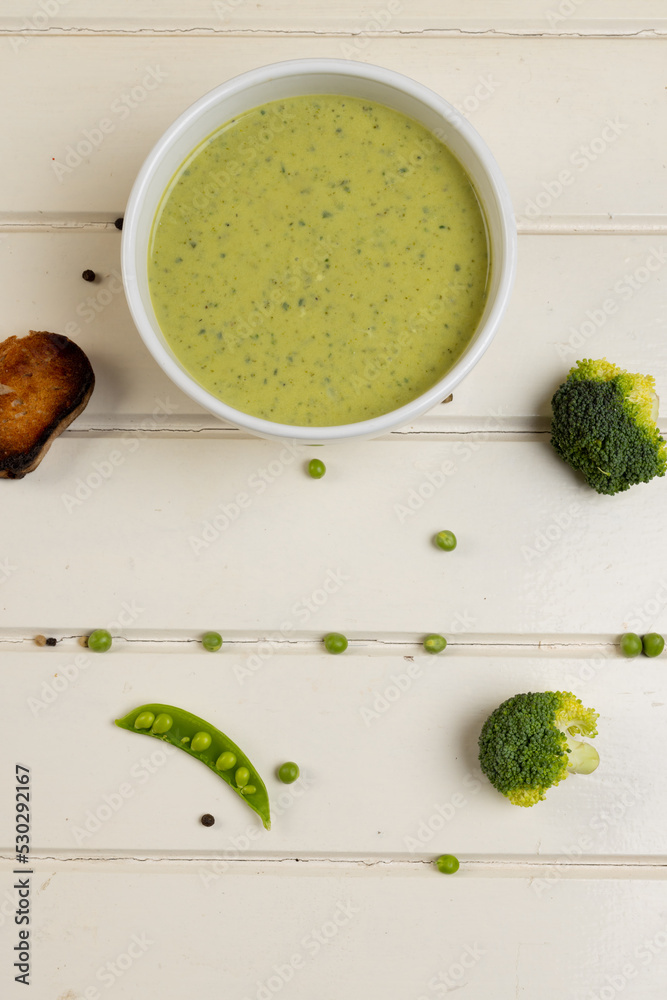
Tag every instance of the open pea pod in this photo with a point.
(206, 743)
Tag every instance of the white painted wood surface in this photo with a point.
(134, 520)
(525, 96)
(388, 747)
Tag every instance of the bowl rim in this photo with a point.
(505, 232)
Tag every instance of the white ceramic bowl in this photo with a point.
(291, 79)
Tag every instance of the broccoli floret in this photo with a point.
(604, 425)
(527, 745)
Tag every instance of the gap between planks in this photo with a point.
(590, 30)
(310, 643)
(550, 870)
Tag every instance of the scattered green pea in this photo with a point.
(226, 761)
(99, 640)
(212, 641)
(334, 642)
(435, 643)
(446, 540)
(652, 644)
(316, 468)
(631, 644)
(447, 864)
(200, 741)
(248, 790)
(241, 777)
(163, 723)
(144, 720)
(288, 772)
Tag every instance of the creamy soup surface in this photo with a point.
(318, 261)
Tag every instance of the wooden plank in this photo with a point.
(387, 747)
(574, 298)
(499, 17)
(235, 533)
(332, 936)
(561, 154)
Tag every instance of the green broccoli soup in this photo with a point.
(319, 260)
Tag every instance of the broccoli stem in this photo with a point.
(582, 757)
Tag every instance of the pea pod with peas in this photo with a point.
(206, 743)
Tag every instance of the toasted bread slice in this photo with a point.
(45, 382)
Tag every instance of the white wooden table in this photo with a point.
(131, 896)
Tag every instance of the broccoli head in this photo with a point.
(528, 744)
(604, 425)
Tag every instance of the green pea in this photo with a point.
(200, 741)
(316, 468)
(652, 644)
(186, 739)
(631, 644)
(445, 540)
(288, 772)
(163, 723)
(334, 642)
(212, 641)
(447, 864)
(144, 720)
(99, 640)
(241, 776)
(226, 761)
(435, 643)
(248, 789)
